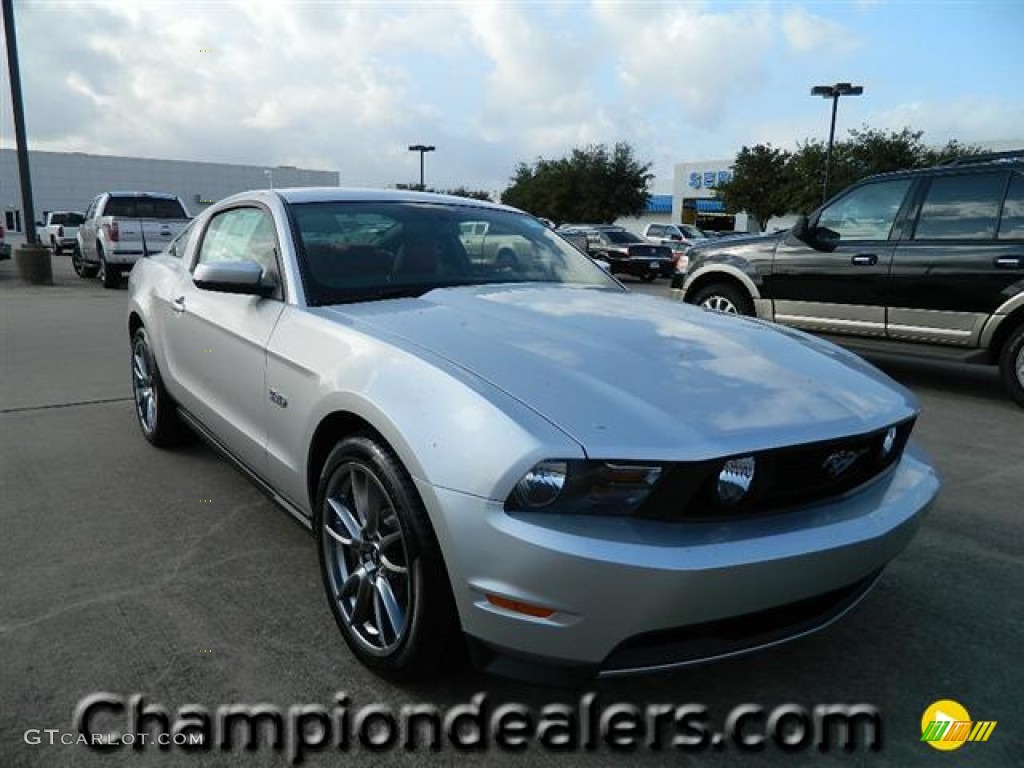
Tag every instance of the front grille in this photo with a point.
(784, 478)
(701, 642)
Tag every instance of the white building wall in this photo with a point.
(68, 181)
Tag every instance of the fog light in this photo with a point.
(542, 484)
(888, 443)
(735, 480)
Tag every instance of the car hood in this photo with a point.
(639, 377)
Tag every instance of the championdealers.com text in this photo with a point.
(109, 722)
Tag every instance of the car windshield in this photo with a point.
(359, 251)
(621, 236)
(691, 231)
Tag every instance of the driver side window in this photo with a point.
(866, 213)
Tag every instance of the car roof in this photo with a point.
(135, 193)
(361, 194)
(983, 162)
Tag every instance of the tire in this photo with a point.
(649, 277)
(722, 297)
(1011, 365)
(382, 571)
(155, 409)
(110, 277)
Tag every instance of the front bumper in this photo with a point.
(634, 595)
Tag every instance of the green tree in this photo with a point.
(866, 152)
(760, 183)
(593, 184)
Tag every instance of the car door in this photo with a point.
(216, 342)
(835, 279)
(963, 255)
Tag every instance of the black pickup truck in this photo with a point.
(926, 262)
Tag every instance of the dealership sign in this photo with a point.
(709, 179)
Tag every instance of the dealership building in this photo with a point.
(68, 181)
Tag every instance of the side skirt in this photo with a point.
(244, 468)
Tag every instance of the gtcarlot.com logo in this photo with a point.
(946, 725)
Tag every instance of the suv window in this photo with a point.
(866, 213)
(1012, 223)
(961, 207)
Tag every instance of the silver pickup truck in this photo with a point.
(122, 227)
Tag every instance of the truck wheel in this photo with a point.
(78, 263)
(110, 277)
(723, 297)
(1011, 365)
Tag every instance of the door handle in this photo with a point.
(864, 260)
(178, 305)
(1010, 262)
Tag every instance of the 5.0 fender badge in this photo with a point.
(278, 399)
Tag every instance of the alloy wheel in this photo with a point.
(366, 559)
(142, 386)
(1020, 366)
(720, 304)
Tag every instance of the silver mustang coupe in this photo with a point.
(500, 449)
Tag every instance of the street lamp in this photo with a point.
(833, 92)
(269, 173)
(422, 149)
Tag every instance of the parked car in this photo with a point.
(624, 252)
(666, 234)
(121, 227)
(926, 262)
(500, 459)
(59, 230)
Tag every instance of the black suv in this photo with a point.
(926, 262)
(624, 252)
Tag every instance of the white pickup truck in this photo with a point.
(122, 227)
(59, 230)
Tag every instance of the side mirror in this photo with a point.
(800, 229)
(244, 277)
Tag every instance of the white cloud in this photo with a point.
(807, 33)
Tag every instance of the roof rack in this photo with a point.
(1013, 155)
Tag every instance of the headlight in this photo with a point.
(735, 480)
(542, 484)
(584, 487)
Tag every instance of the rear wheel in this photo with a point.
(110, 277)
(723, 297)
(381, 565)
(1011, 365)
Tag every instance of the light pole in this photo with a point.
(833, 92)
(269, 173)
(422, 149)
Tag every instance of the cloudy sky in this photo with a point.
(347, 86)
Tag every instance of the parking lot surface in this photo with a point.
(132, 570)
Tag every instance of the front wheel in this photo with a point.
(722, 297)
(1011, 365)
(155, 409)
(381, 565)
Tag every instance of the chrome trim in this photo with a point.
(936, 326)
(764, 309)
(727, 269)
(1005, 309)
